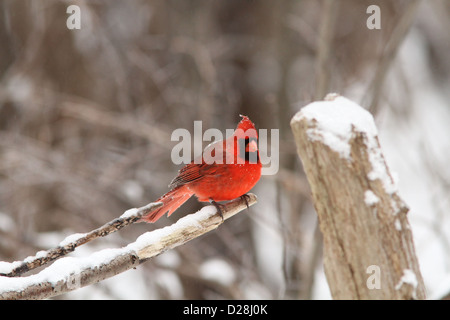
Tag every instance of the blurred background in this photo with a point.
(86, 117)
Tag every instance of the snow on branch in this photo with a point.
(368, 245)
(73, 241)
(71, 273)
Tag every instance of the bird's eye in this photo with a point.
(248, 149)
(251, 146)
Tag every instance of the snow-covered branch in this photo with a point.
(73, 241)
(368, 246)
(70, 273)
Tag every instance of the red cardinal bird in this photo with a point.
(228, 169)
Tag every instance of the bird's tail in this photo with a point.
(172, 200)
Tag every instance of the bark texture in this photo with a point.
(368, 246)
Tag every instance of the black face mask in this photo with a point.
(252, 157)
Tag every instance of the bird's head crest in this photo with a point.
(245, 124)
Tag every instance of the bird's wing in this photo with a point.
(206, 167)
(195, 172)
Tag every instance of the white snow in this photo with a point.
(335, 121)
(39, 255)
(379, 169)
(398, 225)
(7, 267)
(171, 283)
(132, 190)
(169, 259)
(370, 198)
(129, 213)
(441, 290)
(6, 223)
(217, 270)
(60, 270)
(71, 238)
(191, 220)
(409, 277)
(70, 267)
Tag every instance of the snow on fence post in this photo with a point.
(368, 245)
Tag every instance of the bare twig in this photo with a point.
(390, 52)
(74, 241)
(92, 113)
(324, 47)
(70, 273)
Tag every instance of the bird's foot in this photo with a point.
(218, 206)
(245, 197)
